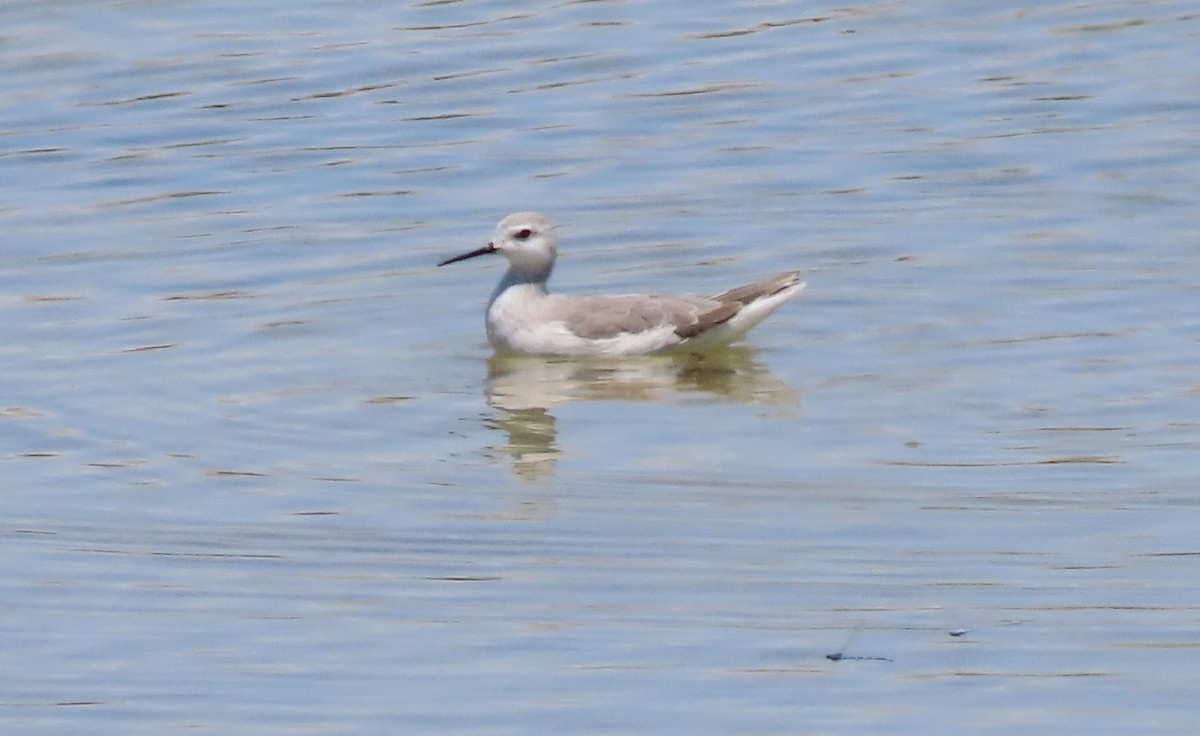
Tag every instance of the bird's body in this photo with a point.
(523, 317)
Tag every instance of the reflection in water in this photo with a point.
(523, 390)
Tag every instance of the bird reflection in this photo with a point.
(523, 390)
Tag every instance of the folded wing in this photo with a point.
(599, 317)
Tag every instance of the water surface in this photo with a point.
(262, 474)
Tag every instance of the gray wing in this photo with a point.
(598, 317)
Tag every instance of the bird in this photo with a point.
(524, 318)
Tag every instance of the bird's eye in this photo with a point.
(523, 234)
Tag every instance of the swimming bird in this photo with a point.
(523, 317)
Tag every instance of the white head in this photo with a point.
(527, 240)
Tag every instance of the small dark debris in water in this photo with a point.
(838, 657)
(281, 323)
(148, 348)
(389, 399)
(211, 295)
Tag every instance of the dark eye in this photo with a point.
(522, 234)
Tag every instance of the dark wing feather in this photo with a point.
(710, 319)
(759, 289)
(732, 301)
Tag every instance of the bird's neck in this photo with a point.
(521, 281)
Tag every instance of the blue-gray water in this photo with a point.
(261, 477)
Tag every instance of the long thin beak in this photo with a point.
(489, 248)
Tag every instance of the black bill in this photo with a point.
(485, 250)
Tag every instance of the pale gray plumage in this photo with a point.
(598, 317)
(523, 317)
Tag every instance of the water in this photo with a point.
(262, 476)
